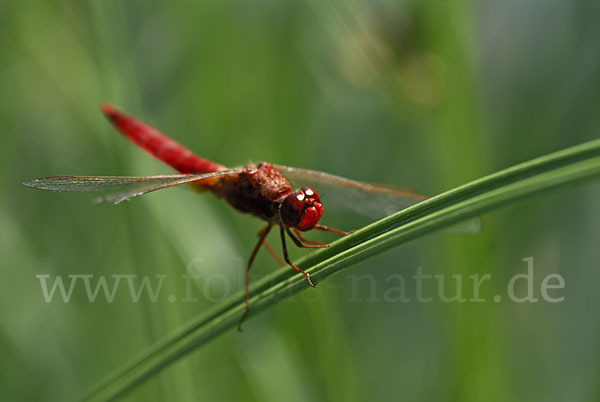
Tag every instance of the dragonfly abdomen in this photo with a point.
(158, 144)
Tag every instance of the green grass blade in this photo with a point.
(470, 200)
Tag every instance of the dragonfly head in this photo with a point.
(301, 209)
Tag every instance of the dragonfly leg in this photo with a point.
(287, 258)
(305, 240)
(328, 229)
(262, 235)
(273, 252)
(299, 243)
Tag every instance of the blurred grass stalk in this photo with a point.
(470, 200)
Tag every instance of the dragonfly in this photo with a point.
(261, 189)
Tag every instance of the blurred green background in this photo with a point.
(421, 94)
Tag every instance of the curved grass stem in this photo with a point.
(470, 200)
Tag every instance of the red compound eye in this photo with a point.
(302, 209)
(310, 194)
(310, 217)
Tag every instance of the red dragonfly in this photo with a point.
(262, 189)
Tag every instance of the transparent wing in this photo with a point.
(97, 183)
(133, 186)
(370, 200)
(366, 199)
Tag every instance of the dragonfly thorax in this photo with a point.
(301, 209)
